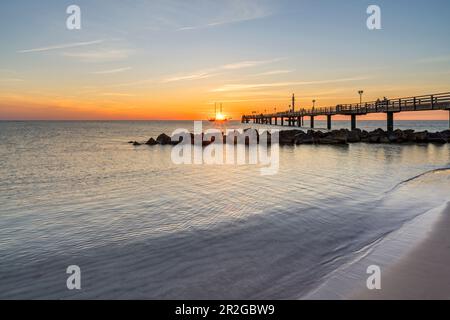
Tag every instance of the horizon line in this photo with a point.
(206, 120)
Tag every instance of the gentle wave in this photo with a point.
(390, 246)
(419, 176)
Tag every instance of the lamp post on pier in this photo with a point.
(360, 92)
(293, 102)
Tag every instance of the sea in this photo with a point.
(139, 226)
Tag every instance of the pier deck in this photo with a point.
(439, 101)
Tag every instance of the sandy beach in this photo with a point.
(424, 272)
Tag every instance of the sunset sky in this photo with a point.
(170, 59)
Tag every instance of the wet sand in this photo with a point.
(424, 273)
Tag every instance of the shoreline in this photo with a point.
(423, 272)
(402, 256)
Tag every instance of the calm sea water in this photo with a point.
(139, 226)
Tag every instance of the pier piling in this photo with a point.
(353, 122)
(390, 121)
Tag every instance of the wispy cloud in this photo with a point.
(6, 80)
(99, 55)
(137, 83)
(117, 94)
(248, 64)
(221, 23)
(273, 72)
(62, 46)
(112, 71)
(250, 100)
(208, 73)
(188, 28)
(231, 12)
(189, 77)
(237, 87)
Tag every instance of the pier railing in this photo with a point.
(439, 101)
(418, 103)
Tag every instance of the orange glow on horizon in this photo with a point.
(190, 105)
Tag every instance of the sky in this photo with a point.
(173, 59)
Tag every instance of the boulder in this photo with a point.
(331, 140)
(298, 137)
(304, 139)
(319, 134)
(436, 137)
(421, 137)
(288, 137)
(378, 131)
(354, 136)
(364, 136)
(446, 134)
(164, 139)
(374, 139)
(377, 136)
(410, 136)
(393, 137)
(398, 136)
(334, 137)
(151, 142)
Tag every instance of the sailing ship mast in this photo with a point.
(221, 118)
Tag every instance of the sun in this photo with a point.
(220, 116)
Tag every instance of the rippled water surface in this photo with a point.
(140, 226)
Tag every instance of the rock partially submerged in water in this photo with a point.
(299, 137)
(151, 142)
(289, 136)
(164, 139)
(407, 136)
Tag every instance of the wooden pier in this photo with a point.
(440, 101)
